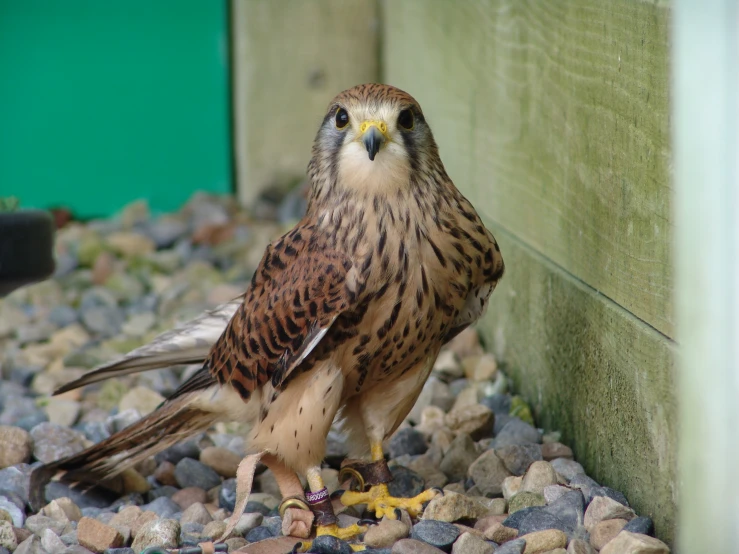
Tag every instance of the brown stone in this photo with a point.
(222, 460)
(602, 507)
(412, 546)
(605, 531)
(541, 541)
(539, 475)
(386, 533)
(62, 509)
(500, 533)
(476, 420)
(484, 523)
(579, 546)
(635, 543)
(16, 446)
(97, 536)
(189, 496)
(553, 450)
(164, 473)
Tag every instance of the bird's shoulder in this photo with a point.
(300, 287)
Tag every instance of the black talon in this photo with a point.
(296, 548)
(398, 513)
(367, 521)
(337, 493)
(437, 489)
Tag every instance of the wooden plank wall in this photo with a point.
(290, 58)
(552, 117)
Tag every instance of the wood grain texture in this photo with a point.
(553, 118)
(593, 371)
(291, 57)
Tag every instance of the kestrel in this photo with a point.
(344, 317)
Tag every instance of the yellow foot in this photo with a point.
(378, 500)
(343, 533)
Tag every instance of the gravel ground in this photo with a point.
(509, 487)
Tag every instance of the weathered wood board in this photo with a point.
(553, 118)
(593, 371)
(291, 57)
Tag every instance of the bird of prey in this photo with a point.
(344, 317)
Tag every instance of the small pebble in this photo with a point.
(436, 533)
(413, 546)
(258, 534)
(406, 483)
(467, 543)
(161, 532)
(452, 507)
(518, 457)
(192, 473)
(488, 473)
(553, 450)
(52, 442)
(541, 474)
(462, 452)
(188, 496)
(97, 536)
(326, 544)
(632, 543)
(16, 446)
(516, 546)
(221, 460)
(517, 432)
(407, 441)
(602, 507)
(640, 525)
(567, 468)
(475, 420)
(604, 531)
(386, 533)
(542, 541)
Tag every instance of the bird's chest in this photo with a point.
(411, 303)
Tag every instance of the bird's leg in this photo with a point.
(326, 521)
(378, 498)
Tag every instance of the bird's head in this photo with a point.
(372, 138)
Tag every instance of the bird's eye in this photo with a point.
(342, 118)
(405, 120)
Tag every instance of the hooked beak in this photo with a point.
(373, 137)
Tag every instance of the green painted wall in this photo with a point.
(105, 102)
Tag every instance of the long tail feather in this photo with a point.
(173, 422)
(188, 343)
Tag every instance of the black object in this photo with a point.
(26, 248)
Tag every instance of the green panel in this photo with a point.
(104, 102)
(553, 118)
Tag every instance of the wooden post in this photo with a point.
(706, 124)
(291, 57)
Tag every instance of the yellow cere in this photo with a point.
(381, 126)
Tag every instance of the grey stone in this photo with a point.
(174, 454)
(51, 542)
(192, 473)
(274, 524)
(103, 320)
(53, 442)
(163, 507)
(166, 490)
(440, 534)
(62, 315)
(407, 441)
(16, 479)
(17, 514)
(326, 544)
(96, 497)
(515, 546)
(468, 543)
(488, 473)
(569, 509)
(517, 431)
(500, 404)
(406, 483)
(585, 484)
(567, 468)
(162, 532)
(518, 457)
(32, 545)
(166, 231)
(77, 549)
(38, 523)
(259, 534)
(120, 551)
(641, 525)
(609, 492)
(459, 456)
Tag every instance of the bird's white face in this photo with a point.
(371, 143)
